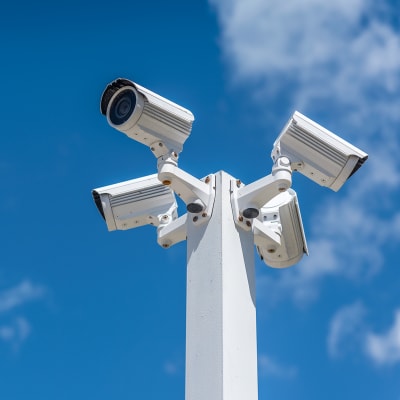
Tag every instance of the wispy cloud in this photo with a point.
(15, 332)
(346, 329)
(24, 292)
(384, 348)
(333, 51)
(329, 59)
(349, 332)
(270, 367)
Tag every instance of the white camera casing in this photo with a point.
(281, 215)
(317, 153)
(136, 202)
(153, 120)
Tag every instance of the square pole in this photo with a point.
(221, 342)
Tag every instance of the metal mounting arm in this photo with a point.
(247, 200)
(172, 232)
(198, 195)
(266, 237)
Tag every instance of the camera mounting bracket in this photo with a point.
(172, 232)
(198, 195)
(266, 237)
(247, 200)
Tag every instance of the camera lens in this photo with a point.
(122, 107)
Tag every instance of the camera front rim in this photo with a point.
(122, 106)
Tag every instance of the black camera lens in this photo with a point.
(122, 107)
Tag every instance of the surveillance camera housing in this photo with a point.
(317, 153)
(282, 215)
(136, 202)
(146, 117)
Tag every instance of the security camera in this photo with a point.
(317, 153)
(146, 117)
(136, 202)
(281, 215)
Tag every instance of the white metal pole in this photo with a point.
(221, 343)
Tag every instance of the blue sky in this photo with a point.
(85, 313)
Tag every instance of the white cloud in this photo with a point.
(337, 51)
(384, 349)
(346, 329)
(16, 332)
(20, 294)
(332, 59)
(268, 366)
(19, 329)
(6, 332)
(24, 328)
